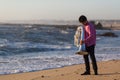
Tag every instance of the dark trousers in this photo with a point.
(90, 51)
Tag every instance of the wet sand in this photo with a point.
(108, 70)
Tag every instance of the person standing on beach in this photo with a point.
(90, 42)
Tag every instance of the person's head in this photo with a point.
(83, 19)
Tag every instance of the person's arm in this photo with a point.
(90, 32)
(81, 42)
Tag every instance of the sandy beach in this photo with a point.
(108, 70)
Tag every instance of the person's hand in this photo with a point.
(81, 42)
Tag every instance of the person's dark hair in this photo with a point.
(82, 18)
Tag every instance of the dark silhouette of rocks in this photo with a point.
(108, 34)
(97, 24)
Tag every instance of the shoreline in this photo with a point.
(61, 26)
(107, 70)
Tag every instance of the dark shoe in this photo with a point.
(96, 73)
(86, 73)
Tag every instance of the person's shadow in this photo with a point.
(116, 73)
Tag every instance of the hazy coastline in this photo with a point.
(106, 24)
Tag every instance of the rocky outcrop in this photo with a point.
(108, 34)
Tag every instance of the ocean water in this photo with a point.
(33, 48)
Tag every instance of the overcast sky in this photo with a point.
(58, 9)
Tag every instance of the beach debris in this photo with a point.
(76, 72)
(42, 76)
(56, 70)
(62, 74)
